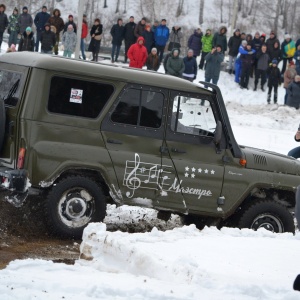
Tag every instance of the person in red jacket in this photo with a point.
(84, 33)
(137, 54)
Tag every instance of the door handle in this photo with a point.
(178, 150)
(111, 141)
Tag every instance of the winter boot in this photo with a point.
(230, 71)
(275, 98)
(255, 87)
(269, 98)
(262, 88)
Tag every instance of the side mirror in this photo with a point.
(218, 133)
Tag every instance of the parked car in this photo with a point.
(83, 133)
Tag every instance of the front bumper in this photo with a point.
(14, 180)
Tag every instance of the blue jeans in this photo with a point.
(82, 49)
(115, 48)
(295, 152)
(13, 38)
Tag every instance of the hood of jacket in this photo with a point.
(140, 38)
(175, 49)
(221, 28)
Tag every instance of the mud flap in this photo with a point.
(297, 208)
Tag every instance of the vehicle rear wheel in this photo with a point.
(267, 214)
(72, 203)
(2, 123)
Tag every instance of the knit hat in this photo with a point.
(244, 42)
(70, 26)
(191, 51)
(272, 32)
(287, 36)
(154, 49)
(263, 34)
(47, 24)
(237, 30)
(70, 16)
(28, 29)
(15, 9)
(274, 61)
(25, 8)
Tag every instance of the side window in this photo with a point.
(76, 97)
(192, 116)
(140, 108)
(10, 87)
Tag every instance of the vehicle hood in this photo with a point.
(270, 161)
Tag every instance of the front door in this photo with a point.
(189, 140)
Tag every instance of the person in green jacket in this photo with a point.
(13, 28)
(175, 64)
(206, 47)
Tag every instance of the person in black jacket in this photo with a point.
(47, 40)
(96, 35)
(129, 36)
(293, 93)
(117, 33)
(247, 63)
(148, 35)
(274, 80)
(233, 45)
(191, 68)
(40, 20)
(70, 22)
(27, 41)
(3, 22)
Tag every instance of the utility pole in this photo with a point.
(79, 27)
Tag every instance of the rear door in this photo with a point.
(134, 132)
(12, 82)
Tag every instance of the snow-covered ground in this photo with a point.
(181, 262)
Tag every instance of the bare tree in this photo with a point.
(125, 7)
(105, 4)
(117, 7)
(285, 14)
(221, 8)
(234, 15)
(179, 8)
(201, 11)
(293, 15)
(251, 8)
(277, 15)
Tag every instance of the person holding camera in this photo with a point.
(213, 64)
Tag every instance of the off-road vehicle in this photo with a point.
(82, 132)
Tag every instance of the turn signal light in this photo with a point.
(243, 162)
(21, 158)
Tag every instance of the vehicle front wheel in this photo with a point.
(267, 214)
(72, 203)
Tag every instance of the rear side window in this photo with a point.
(80, 98)
(140, 108)
(10, 87)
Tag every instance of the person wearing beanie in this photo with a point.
(206, 41)
(233, 45)
(25, 20)
(247, 61)
(190, 66)
(70, 22)
(40, 20)
(274, 80)
(288, 49)
(3, 22)
(152, 61)
(213, 64)
(129, 36)
(27, 41)
(69, 40)
(138, 54)
(56, 21)
(48, 40)
(263, 38)
(148, 35)
(175, 64)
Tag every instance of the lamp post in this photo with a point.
(79, 27)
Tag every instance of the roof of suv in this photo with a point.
(115, 72)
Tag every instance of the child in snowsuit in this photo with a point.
(274, 80)
(69, 40)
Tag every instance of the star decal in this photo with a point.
(186, 175)
(205, 171)
(212, 172)
(193, 175)
(187, 168)
(193, 169)
(199, 170)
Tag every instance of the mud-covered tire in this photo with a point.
(2, 123)
(71, 204)
(267, 214)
